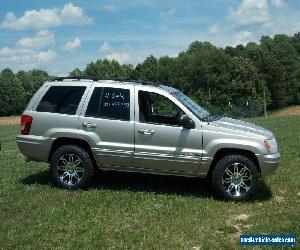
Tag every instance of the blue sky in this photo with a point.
(59, 36)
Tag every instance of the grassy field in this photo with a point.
(136, 211)
(292, 110)
(8, 137)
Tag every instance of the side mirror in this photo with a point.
(186, 122)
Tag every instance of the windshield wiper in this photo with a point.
(207, 118)
(211, 117)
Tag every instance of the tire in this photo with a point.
(235, 177)
(71, 167)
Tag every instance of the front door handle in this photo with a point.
(146, 131)
(89, 125)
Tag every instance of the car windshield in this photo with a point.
(198, 111)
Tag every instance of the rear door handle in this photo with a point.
(89, 125)
(146, 131)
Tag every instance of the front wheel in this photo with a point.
(71, 167)
(235, 177)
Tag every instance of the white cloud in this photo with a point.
(72, 45)
(243, 38)
(121, 57)
(168, 13)
(268, 25)
(16, 57)
(278, 3)
(44, 56)
(270, 17)
(251, 12)
(42, 39)
(214, 29)
(105, 47)
(45, 18)
(110, 8)
(27, 53)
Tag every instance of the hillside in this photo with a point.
(292, 110)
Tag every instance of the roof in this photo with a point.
(125, 80)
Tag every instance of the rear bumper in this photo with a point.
(268, 163)
(35, 148)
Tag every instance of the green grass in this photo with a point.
(8, 136)
(137, 211)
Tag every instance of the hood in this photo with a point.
(241, 126)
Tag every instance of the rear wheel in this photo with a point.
(235, 177)
(71, 167)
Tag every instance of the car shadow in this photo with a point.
(159, 184)
(263, 192)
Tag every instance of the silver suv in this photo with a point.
(81, 124)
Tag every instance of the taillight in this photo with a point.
(26, 121)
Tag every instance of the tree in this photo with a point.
(12, 94)
(167, 70)
(148, 70)
(38, 78)
(210, 75)
(206, 70)
(26, 81)
(246, 85)
(107, 69)
(75, 73)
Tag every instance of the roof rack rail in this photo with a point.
(120, 79)
(61, 78)
(148, 83)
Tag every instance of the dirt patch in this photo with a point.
(242, 217)
(279, 199)
(294, 110)
(13, 120)
(238, 224)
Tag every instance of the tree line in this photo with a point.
(226, 80)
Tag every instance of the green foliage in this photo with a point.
(148, 70)
(228, 81)
(12, 94)
(31, 81)
(76, 73)
(106, 69)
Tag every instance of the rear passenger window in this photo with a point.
(111, 103)
(61, 99)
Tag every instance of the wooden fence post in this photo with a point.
(265, 104)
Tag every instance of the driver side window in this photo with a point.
(155, 108)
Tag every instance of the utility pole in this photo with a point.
(265, 104)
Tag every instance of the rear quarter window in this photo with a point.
(61, 99)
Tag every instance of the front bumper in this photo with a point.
(268, 163)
